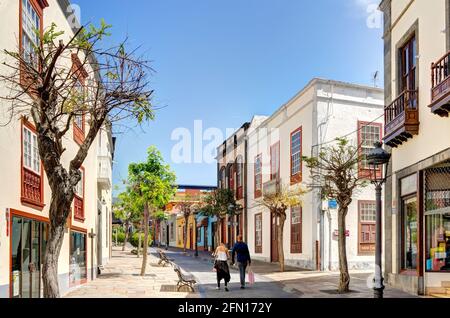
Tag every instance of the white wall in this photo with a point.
(336, 109)
(10, 147)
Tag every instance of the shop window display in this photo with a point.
(437, 218)
(78, 269)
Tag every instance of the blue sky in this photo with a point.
(223, 61)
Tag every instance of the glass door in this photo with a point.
(26, 259)
(35, 265)
(410, 233)
(16, 257)
(27, 247)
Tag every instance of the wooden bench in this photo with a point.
(163, 259)
(184, 279)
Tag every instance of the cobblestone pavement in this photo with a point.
(270, 282)
(120, 279)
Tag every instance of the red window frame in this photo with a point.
(364, 173)
(361, 241)
(259, 248)
(258, 192)
(38, 6)
(79, 202)
(275, 151)
(28, 176)
(230, 170)
(296, 229)
(239, 178)
(296, 178)
(81, 75)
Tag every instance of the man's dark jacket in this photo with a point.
(243, 254)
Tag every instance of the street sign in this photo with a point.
(332, 204)
(336, 233)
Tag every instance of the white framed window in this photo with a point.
(79, 91)
(369, 135)
(258, 233)
(258, 173)
(31, 158)
(80, 186)
(31, 25)
(296, 152)
(239, 174)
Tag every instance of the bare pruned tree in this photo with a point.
(277, 202)
(335, 170)
(67, 81)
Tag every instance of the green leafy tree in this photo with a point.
(219, 204)
(128, 211)
(44, 84)
(335, 170)
(278, 202)
(153, 185)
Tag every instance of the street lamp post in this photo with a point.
(377, 159)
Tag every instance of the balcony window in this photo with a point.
(239, 178)
(368, 135)
(258, 176)
(440, 86)
(402, 115)
(32, 185)
(79, 198)
(275, 162)
(296, 156)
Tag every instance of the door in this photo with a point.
(213, 235)
(191, 241)
(274, 240)
(99, 238)
(167, 235)
(27, 248)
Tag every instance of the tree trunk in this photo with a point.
(281, 218)
(139, 240)
(59, 211)
(344, 281)
(50, 265)
(145, 246)
(127, 229)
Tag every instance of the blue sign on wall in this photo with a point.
(332, 204)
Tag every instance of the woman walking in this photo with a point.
(221, 265)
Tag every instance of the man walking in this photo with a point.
(243, 258)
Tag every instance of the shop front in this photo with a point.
(78, 258)
(423, 227)
(28, 242)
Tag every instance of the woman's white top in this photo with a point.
(221, 256)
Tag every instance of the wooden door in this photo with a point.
(274, 240)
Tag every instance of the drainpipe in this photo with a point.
(322, 236)
(244, 219)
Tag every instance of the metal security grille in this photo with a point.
(437, 218)
(437, 188)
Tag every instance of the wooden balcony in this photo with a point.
(440, 86)
(402, 119)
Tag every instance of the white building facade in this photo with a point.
(25, 197)
(417, 100)
(323, 111)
